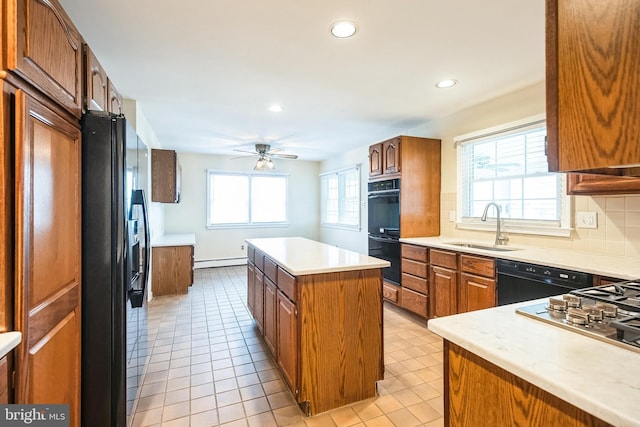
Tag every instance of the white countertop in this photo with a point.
(620, 267)
(300, 256)
(174, 240)
(9, 341)
(599, 378)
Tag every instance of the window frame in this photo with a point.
(249, 176)
(519, 226)
(356, 170)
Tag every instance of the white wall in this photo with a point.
(223, 246)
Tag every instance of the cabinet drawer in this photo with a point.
(251, 254)
(477, 265)
(270, 269)
(417, 253)
(414, 301)
(287, 284)
(443, 259)
(415, 268)
(259, 260)
(390, 292)
(418, 284)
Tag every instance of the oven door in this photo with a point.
(387, 249)
(384, 213)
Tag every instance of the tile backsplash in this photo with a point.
(617, 234)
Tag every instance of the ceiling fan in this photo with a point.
(264, 154)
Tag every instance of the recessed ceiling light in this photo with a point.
(275, 108)
(446, 83)
(343, 29)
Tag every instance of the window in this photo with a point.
(508, 165)
(246, 199)
(341, 198)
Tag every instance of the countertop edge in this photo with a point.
(9, 341)
(188, 239)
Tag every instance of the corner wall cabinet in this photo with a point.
(165, 176)
(593, 68)
(323, 330)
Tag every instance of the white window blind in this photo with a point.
(246, 199)
(508, 166)
(340, 192)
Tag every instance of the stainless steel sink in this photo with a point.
(484, 247)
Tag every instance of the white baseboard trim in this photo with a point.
(222, 262)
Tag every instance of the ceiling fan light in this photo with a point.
(264, 164)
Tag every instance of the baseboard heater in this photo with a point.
(219, 262)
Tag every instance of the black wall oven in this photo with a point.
(384, 225)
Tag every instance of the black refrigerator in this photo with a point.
(115, 268)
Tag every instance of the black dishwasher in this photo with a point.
(519, 281)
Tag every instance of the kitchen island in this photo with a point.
(502, 368)
(319, 308)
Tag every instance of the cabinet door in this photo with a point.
(251, 286)
(95, 82)
(115, 99)
(45, 48)
(592, 62)
(587, 185)
(258, 301)
(47, 256)
(375, 160)
(164, 178)
(172, 270)
(270, 306)
(391, 156)
(476, 293)
(287, 348)
(442, 291)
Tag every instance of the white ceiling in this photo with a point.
(205, 72)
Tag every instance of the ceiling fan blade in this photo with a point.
(284, 156)
(245, 151)
(245, 157)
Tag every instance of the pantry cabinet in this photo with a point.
(593, 70)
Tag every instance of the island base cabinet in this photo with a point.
(505, 398)
(287, 348)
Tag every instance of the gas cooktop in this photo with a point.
(610, 313)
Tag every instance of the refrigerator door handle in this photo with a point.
(136, 296)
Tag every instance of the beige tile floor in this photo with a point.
(208, 366)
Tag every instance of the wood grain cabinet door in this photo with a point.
(476, 293)
(258, 301)
(48, 256)
(391, 156)
(116, 102)
(96, 82)
(443, 284)
(375, 160)
(45, 48)
(251, 286)
(270, 307)
(287, 348)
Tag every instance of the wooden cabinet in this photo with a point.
(477, 283)
(44, 48)
(258, 301)
(414, 279)
(172, 270)
(287, 348)
(4, 381)
(592, 60)
(47, 274)
(443, 283)
(165, 176)
(375, 160)
(116, 102)
(592, 185)
(270, 307)
(95, 82)
(391, 293)
(417, 162)
(251, 286)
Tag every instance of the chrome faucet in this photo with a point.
(501, 238)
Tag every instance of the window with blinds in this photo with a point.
(340, 192)
(508, 165)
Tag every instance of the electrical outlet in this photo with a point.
(586, 220)
(242, 247)
(452, 216)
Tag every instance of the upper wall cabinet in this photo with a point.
(384, 159)
(593, 86)
(34, 30)
(593, 185)
(115, 99)
(95, 82)
(165, 176)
